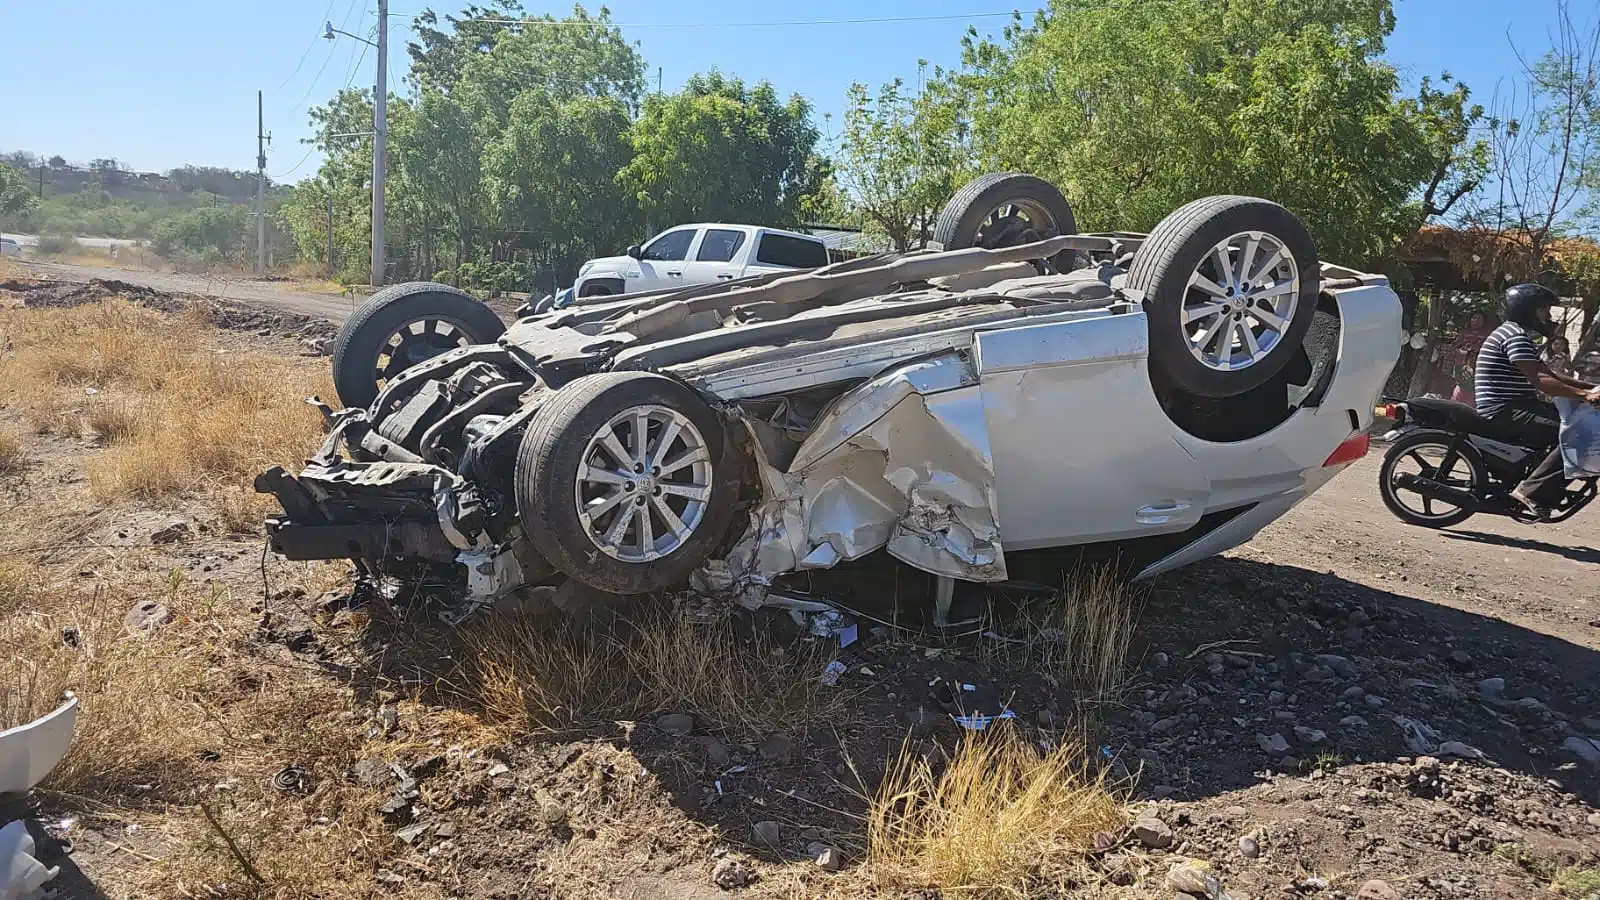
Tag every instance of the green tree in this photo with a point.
(720, 151)
(438, 56)
(16, 195)
(901, 157)
(554, 171)
(207, 236)
(1138, 109)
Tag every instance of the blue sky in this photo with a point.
(167, 82)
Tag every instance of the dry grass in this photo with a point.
(144, 698)
(1580, 882)
(746, 683)
(532, 675)
(1003, 819)
(1081, 634)
(529, 674)
(11, 455)
(178, 416)
(189, 714)
(180, 728)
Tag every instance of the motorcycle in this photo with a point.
(1447, 463)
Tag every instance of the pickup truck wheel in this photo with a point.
(1003, 210)
(624, 481)
(1230, 288)
(605, 287)
(403, 325)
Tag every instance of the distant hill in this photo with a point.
(116, 179)
(105, 198)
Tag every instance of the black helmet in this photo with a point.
(1523, 301)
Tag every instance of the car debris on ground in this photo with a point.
(27, 754)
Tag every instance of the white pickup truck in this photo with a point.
(699, 254)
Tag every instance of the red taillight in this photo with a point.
(1348, 452)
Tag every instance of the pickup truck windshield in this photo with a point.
(670, 247)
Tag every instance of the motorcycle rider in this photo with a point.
(1509, 377)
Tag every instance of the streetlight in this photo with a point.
(380, 131)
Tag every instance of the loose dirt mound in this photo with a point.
(222, 313)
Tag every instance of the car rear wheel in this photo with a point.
(1005, 209)
(1427, 454)
(624, 481)
(1230, 288)
(401, 326)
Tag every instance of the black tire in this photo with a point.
(362, 339)
(554, 447)
(1409, 444)
(960, 223)
(604, 287)
(1172, 253)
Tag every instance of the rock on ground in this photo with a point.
(730, 873)
(676, 723)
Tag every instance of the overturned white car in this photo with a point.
(1025, 387)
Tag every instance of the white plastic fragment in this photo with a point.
(28, 752)
(21, 876)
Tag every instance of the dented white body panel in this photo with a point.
(1047, 433)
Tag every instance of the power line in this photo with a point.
(332, 49)
(312, 43)
(591, 23)
(309, 150)
(313, 85)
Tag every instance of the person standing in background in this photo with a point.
(1558, 356)
(1464, 356)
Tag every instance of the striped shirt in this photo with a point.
(1497, 380)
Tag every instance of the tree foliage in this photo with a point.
(1138, 109)
(527, 146)
(16, 195)
(717, 150)
(902, 157)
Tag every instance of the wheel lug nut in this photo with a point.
(640, 501)
(638, 468)
(629, 487)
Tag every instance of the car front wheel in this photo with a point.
(624, 481)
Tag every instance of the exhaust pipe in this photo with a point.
(1434, 490)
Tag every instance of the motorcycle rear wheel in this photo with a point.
(1422, 453)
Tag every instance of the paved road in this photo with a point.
(260, 293)
(100, 243)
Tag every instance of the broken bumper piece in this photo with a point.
(397, 507)
(371, 511)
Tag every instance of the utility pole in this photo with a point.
(261, 189)
(380, 142)
(658, 81)
(41, 181)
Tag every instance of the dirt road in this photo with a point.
(1543, 578)
(263, 293)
